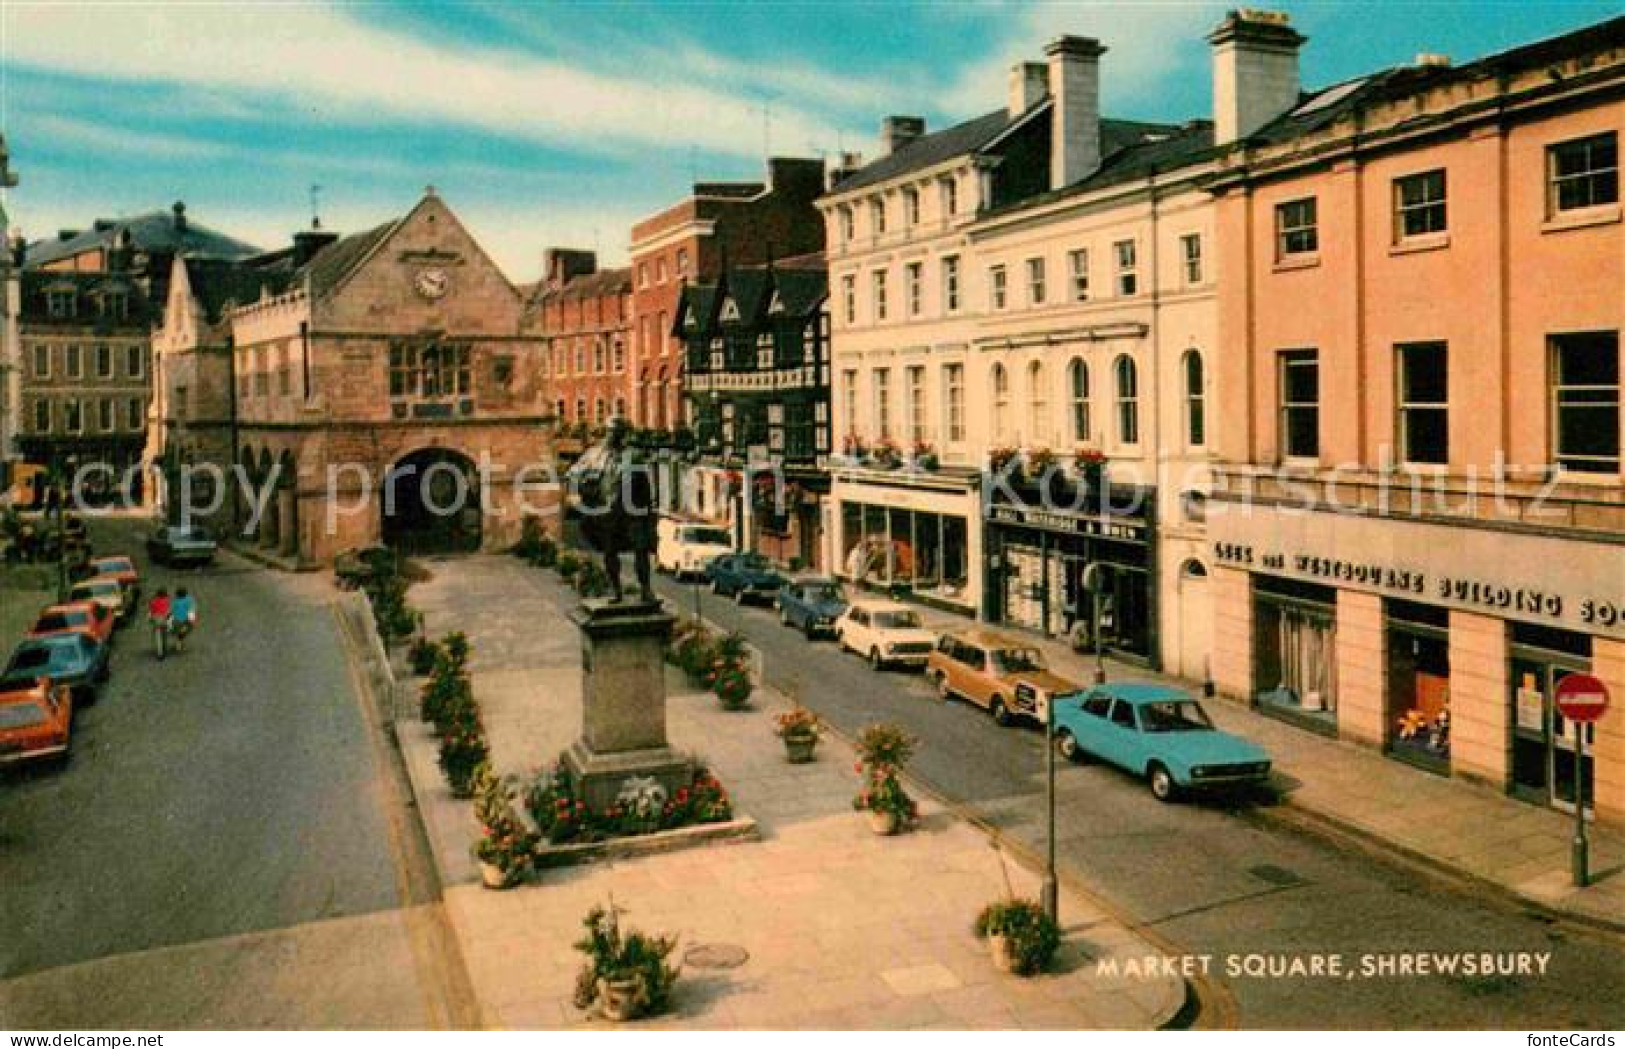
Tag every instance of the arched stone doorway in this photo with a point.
(431, 503)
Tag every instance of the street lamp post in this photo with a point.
(1050, 893)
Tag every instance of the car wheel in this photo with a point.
(945, 691)
(784, 617)
(1163, 787)
(1066, 745)
(1001, 713)
(875, 662)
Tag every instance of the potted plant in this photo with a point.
(999, 458)
(886, 454)
(800, 729)
(626, 974)
(1039, 461)
(1021, 937)
(733, 687)
(925, 456)
(883, 750)
(505, 847)
(854, 447)
(1091, 466)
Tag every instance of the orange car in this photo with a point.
(36, 723)
(120, 568)
(1004, 674)
(85, 617)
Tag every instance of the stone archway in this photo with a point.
(432, 503)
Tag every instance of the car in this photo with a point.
(73, 660)
(104, 590)
(1157, 732)
(91, 618)
(1004, 675)
(744, 577)
(886, 633)
(181, 546)
(36, 722)
(121, 568)
(685, 548)
(811, 604)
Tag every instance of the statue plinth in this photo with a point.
(623, 701)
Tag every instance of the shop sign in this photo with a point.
(1072, 524)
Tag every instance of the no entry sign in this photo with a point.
(1581, 697)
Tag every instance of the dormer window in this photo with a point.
(60, 304)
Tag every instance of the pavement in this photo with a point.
(838, 928)
(1450, 825)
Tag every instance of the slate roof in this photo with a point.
(1158, 149)
(801, 290)
(154, 233)
(220, 284)
(335, 262)
(35, 304)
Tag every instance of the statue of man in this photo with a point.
(618, 512)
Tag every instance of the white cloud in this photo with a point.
(337, 69)
(101, 138)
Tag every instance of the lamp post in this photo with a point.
(1050, 895)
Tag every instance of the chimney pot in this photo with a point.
(1432, 60)
(897, 132)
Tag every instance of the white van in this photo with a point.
(684, 548)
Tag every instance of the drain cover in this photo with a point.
(1268, 872)
(715, 956)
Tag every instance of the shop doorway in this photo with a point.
(431, 503)
(1543, 741)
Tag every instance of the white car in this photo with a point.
(685, 548)
(885, 633)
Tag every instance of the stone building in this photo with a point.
(1419, 514)
(737, 222)
(583, 318)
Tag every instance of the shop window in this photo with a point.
(1585, 402)
(1300, 404)
(1128, 400)
(1295, 652)
(1418, 679)
(1424, 403)
(912, 549)
(1195, 400)
(1077, 382)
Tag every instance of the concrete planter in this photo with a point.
(884, 823)
(620, 1000)
(1003, 951)
(799, 750)
(494, 877)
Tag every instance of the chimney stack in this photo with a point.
(1029, 84)
(897, 132)
(562, 265)
(308, 242)
(1074, 84)
(845, 166)
(1255, 71)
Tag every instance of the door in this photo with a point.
(1121, 737)
(1543, 741)
(1194, 619)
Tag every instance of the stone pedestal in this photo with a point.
(623, 702)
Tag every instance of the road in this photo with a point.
(226, 846)
(1216, 881)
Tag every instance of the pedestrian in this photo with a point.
(159, 612)
(183, 614)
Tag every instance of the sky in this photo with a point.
(560, 124)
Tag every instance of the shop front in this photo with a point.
(1039, 554)
(786, 516)
(916, 535)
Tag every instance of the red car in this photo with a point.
(36, 723)
(86, 617)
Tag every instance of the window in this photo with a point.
(913, 275)
(877, 216)
(135, 361)
(1190, 256)
(1128, 281)
(580, 357)
(682, 262)
(663, 333)
(42, 416)
(849, 298)
(849, 403)
(75, 367)
(1077, 382)
(1195, 400)
(877, 284)
(911, 207)
(1038, 402)
(598, 359)
(950, 284)
(1001, 403)
(764, 352)
(72, 417)
(1295, 229)
(1585, 402)
(1424, 403)
(953, 396)
(104, 361)
(996, 287)
(916, 404)
(134, 413)
(847, 228)
(429, 371)
(1035, 281)
(882, 392)
(104, 415)
(950, 197)
(114, 304)
(1419, 205)
(1584, 173)
(1300, 404)
(617, 356)
(1078, 262)
(59, 304)
(1128, 400)
(581, 409)
(660, 270)
(42, 362)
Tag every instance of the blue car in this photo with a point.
(66, 659)
(744, 577)
(1156, 732)
(811, 605)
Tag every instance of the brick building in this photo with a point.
(742, 222)
(583, 318)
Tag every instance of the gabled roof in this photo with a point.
(800, 292)
(154, 233)
(219, 284)
(338, 260)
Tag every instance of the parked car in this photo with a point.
(686, 548)
(91, 618)
(1004, 675)
(1156, 732)
(812, 604)
(73, 660)
(885, 633)
(181, 546)
(106, 591)
(744, 577)
(36, 722)
(123, 569)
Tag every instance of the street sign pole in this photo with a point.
(1581, 860)
(1582, 700)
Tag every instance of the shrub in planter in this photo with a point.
(883, 750)
(733, 687)
(462, 751)
(422, 656)
(505, 846)
(800, 729)
(626, 974)
(1022, 937)
(703, 801)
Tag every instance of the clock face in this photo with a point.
(431, 283)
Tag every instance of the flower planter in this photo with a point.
(494, 877)
(884, 823)
(799, 749)
(620, 1000)
(1003, 950)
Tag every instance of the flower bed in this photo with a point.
(561, 816)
